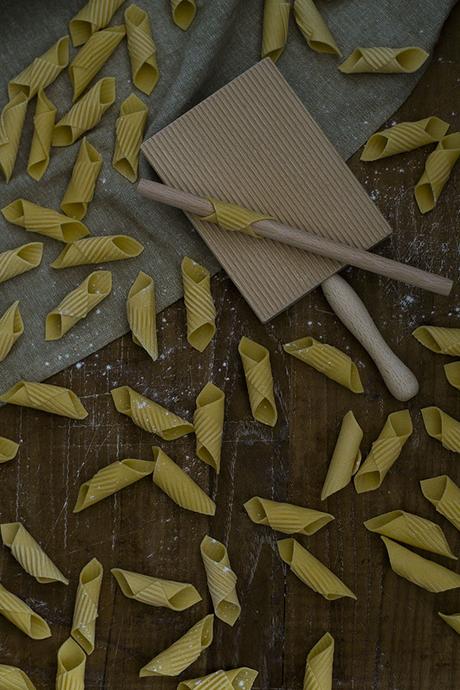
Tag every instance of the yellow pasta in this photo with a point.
(346, 457)
(29, 554)
(95, 15)
(43, 396)
(182, 653)
(384, 60)
(91, 58)
(13, 678)
(384, 451)
(11, 122)
(153, 591)
(314, 28)
(405, 136)
(259, 380)
(98, 250)
(235, 679)
(411, 529)
(286, 517)
(42, 71)
(141, 313)
(44, 118)
(319, 665)
(21, 615)
(111, 479)
(11, 329)
(85, 113)
(71, 664)
(149, 415)
(234, 218)
(422, 572)
(141, 49)
(311, 571)
(16, 261)
(183, 13)
(442, 427)
(129, 130)
(86, 605)
(8, 449)
(221, 580)
(452, 619)
(179, 486)
(275, 28)
(201, 312)
(80, 190)
(328, 360)
(452, 371)
(438, 167)
(208, 422)
(443, 341)
(444, 494)
(44, 221)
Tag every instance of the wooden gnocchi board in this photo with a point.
(253, 143)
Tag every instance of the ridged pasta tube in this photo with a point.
(85, 113)
(129, 131)
(44, 221)
(314, 28)
(11, 123)
(19, 260)
(86, 605)
(208, 422)
(405, 136)
(442, 427)
(8, 449)
(141, 314)
(11, 329)
(201, 312)
(92, 57)
(42, 71)
(13, 678)
(80, 190)
(98, 250)
(319, 665)
(235, 679)
(183, 13)
(95, 15)
(44, 118)
(384, 60)
(71, 664)
(141, 49)
(221, 580)
(22, 616)
(29, 554)
(444, 494)
(275, 28)
(443, 341)
(259, 380)
(153, 591)
(286, 517)
(179, 486)
(438, 167)
(346, 457)
(42, 396)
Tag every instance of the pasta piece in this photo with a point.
(452, 371)
(452, 619)
(86, 605)
(444, 494)
(320, 661)
(201, 312)
(85, 113)
(275, 28)
(21, 615)
(183, 652)
(384, 60)
(44, 221)
(11, 122)
(177, 484)
(221, 580)
(91, 58)
(13, 678)
(71, 664)
(314, 28)
(98, 250)
(141, 313)
(286, 517)
(42, 71)
(42, 396)
(8, 449)
(208, 421)
(80, 190)
(259, 380)
(346, 457)
(95, 15)
(111, 479)
(16, 261)
(149, 415)
(129, 130)
(311, 571)
(141, 49)
(384, 451)
(405, 136)
(29, 554)
(234, 218)
(422, 572)
(236, 679)
(44, 118)
(328, 360)
(11, 329)
(77, 304)
(411, 529)
(153, 591)
(438, 167)
(443, 341)
(442, 427)
(183, 13)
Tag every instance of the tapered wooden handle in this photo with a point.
(398, 378)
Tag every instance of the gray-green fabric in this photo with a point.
(223, 41)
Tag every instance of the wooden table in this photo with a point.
(391, 638)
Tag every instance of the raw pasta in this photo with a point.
(275, 28)
(111, 479)
(444, 494)
(42, 71)
(438, 167)
(129, 130)
(86, 605)
(80, 190)
(85, 113)
(233, 217)
(452, 619)
(259, 380)
(182, 653)
(443, 341)
(95, 15)
(44, 221)
(201, 312)
(179, 486)
(153, 591)
(235, 679)
(314, 28)
(71, 664)
(91, 58)
(141, 49)
(452, 371)
(13, 678)
(21, 615)
(44, 118)
(328, 360)
(141, 313)
(149, 415)
(286, 517)
(11, 122)
(346, 457)
(221, 580)
(208, 422)
(311, 571)
(8, 449)
(319, 665)
(16, 261)
(384, 451)
(183, 13)
(98, 250)
(442, 427)
(29, 554)
(384, 60)
(42, 396)
(11, 329)
(405, 136)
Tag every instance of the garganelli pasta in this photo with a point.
(44, 221)
(98, 250)
(29, 554)
(235, 679)
(141, 313)
(208, 422)
(443, 341)
(259, 380)
(286, 517)
(438, 167)
(201, 312)
(16, 261)
(183, 13)
(154, 591)
(129, 130)
(452, 371)
(44, 118)
(21, 615)
(179, 486)
(13, 678)
(384, 60)
(275, 28)
(141, 49)
(221, 580)
(233, 217)
(95, 15)
(80, 190)
(85, 113)
(346, 457)
(71, 664)
(42, 71)
(42, 396)
(11, 329)
(91, 58)
(405, 136)
(444, 494)
(452, 619)
(86, 605)
(442, 427)
(11, 122)
(314, 28)
(319, 665)
(8, 449)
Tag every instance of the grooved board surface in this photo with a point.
(253, 143)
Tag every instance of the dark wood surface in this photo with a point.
(391, 638)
